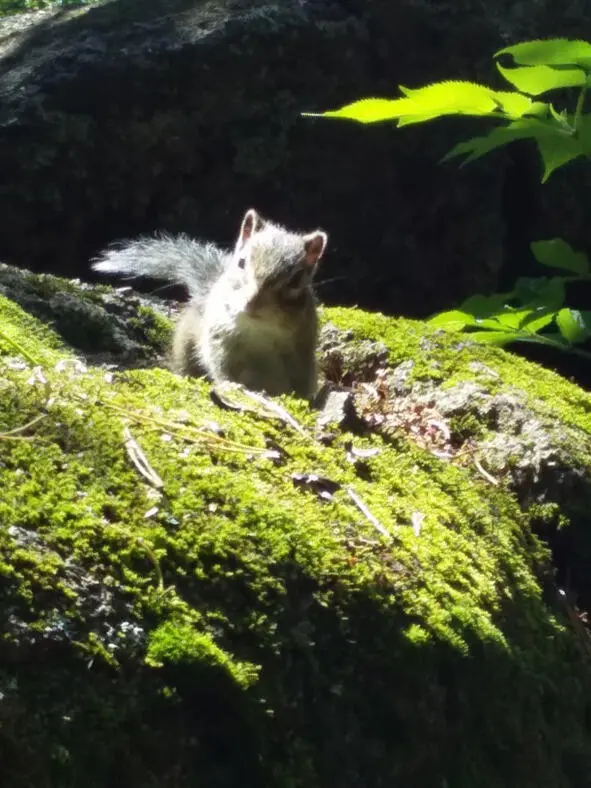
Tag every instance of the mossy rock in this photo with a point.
(191, 596)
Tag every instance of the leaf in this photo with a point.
(484, 306)
(537, 320)
(516, 105)
(498, 338)
(550, 52)
(433, 101)
(407, 120)
(370, 110)
(463, 98)
(556, 253)
(453, 320)
(574, 326)
(512, 318)
(452, 97)
(540, 292)
(557, 150)
(536, 80)
(477, 147)
(560, 117)
(436, 100)
(494, 322)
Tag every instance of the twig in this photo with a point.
(148, 550)
(224, 403)
(187, 430)
(484, 473)
(138, 458)
(154, 559)
(364, 510)
(275, 408)
(19, 349)
(13, 435)
(24, 426)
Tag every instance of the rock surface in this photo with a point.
(174, 114)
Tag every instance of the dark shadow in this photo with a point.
(345, 698)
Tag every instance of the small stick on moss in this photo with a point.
(147, 549)
(279, 411)
(13, 435)
(365, 511)
(224, 403)
(186, 431)
(154, 558)
(484, 473)
(138, 458)
(19, 349)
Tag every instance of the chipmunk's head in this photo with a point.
(277, 265)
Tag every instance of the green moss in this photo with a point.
(90, 319)
(181, 644)
(21, 334)
(467, 425)
(232, 627)
(157, 328)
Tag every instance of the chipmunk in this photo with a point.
(252, 316)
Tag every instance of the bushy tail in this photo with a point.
(176, 259)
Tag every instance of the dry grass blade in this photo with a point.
(138, 458)
(366, 512)
(277, 410)
(14, 434)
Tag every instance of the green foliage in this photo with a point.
(543, 66)
(437, 100)
(558, 254)
(552, 52)
(534, 305)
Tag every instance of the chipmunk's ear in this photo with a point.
(251, 223)
(315, 244)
